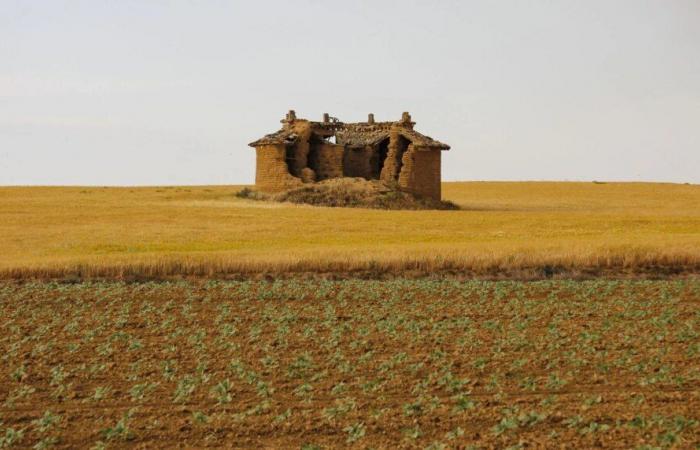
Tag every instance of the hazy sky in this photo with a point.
(171, 92)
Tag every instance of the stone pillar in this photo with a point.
(301, 148)
(406, 121)
(406, 178)
(390, 171)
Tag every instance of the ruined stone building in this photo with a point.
(304, 151)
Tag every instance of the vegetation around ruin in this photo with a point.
(350, 193)
(519, 230)
(358, 364)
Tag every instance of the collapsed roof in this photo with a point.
(358, 134)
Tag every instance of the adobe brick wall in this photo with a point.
(271, 172)
(304, 152)
(406, 175)
(394, 158)
(426, 181)
(357, 162)
(326, 160)
(419, 168)
(301, 149)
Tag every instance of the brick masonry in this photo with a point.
(306, 152)
(271, 170)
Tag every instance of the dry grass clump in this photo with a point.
(351, 193)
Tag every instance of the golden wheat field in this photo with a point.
(502, 228)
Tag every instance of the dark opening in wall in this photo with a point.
(356, 162)
(289, 158)
(378, 158)
(313, 157)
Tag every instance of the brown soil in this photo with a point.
(382, 364)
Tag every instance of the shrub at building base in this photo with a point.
(351, 193)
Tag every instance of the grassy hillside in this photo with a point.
(502, 228)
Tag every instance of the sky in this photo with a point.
(171, 92)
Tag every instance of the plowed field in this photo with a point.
(327, 364)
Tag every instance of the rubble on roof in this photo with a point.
(282, 136)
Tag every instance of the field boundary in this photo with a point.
(372, 270)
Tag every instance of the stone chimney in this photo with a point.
(326, 118)
(406, 120)
(289, 118)
(370, 118)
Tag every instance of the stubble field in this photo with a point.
(364, 364)
(503, 230)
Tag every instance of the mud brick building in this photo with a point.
(304, 151)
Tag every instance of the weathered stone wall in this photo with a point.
(357, 162)
(301, 149)
(426, 174)
(271, 172)
(416, 170)
(326, 160)
(406, 175)
(394, 159)
(305, 152)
